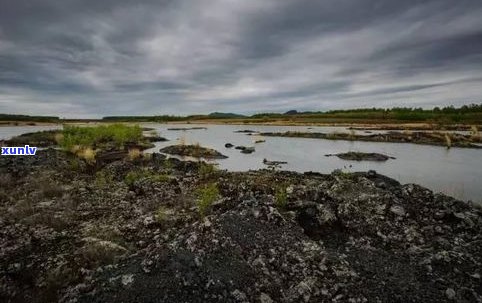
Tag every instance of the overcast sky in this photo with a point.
(90, 58)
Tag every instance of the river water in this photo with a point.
(456, 171)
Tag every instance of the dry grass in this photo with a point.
(182, 140)
(134, 154)
(448, 140)
(474, 131)
(88, 154)
(59, 137)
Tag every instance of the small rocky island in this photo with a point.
(417, 137)
(193, 151)
(359, 156)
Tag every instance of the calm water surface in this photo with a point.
(456, 172)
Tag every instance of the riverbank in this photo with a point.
(157, 229)
(424, 138)
(355, 125)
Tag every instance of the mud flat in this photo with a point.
(193, 151)
(246, 131)
(187, 128)
(164, 230)
(426, 138)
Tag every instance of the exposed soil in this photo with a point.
(193, 151)
(359, 156)
(427, 138)
(74, 233)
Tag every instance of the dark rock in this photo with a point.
(155, 139)
(247, 131)
(248, 150)
(228, 145)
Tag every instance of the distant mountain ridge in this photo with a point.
(225, 115)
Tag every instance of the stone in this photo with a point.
(398, 210)
(127, 279)
(264, 298)
(450, 293)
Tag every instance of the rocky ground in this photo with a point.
(131, 231)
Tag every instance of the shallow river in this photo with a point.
(456, 172)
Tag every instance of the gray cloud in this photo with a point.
(121, 57)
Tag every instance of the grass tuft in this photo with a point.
(134, 154)
(207, 195)
(206, 170)
(281, 197)
(134, 176)
(448, 140)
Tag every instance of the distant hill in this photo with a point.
(292, 112)
(218, 115)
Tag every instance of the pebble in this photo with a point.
(398, 210)
(450, 293)
(264, 298)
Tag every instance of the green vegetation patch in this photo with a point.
(134, 176)
(281, 197)
(207, 195)
(75, 137)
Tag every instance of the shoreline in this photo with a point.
(356, 125)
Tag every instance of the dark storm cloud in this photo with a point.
(94, 58)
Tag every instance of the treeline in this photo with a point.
(168, 118)
(472, 108)
(443, 115)
(26, 118)
(465, 114)
(162, 118)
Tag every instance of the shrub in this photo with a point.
(206, 169)
(206, 197)
(281, 197)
